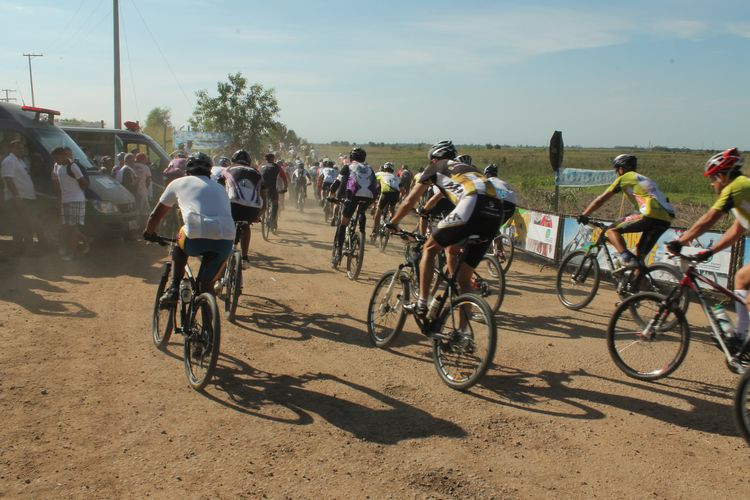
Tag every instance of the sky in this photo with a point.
(659, 72)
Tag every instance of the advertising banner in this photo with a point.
(581, 177)
(577, 236)
(202, 140)
(541, 236)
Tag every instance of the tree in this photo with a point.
(244, 112)
(159, 125)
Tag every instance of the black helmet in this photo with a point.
(198, 164)
(467, 159)
(241, 157)
(223, 161)
(443, 150)
(357, 154)
(490, 170)
(628, 162)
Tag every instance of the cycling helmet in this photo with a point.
(387, 167)
(464, 159)
(357, 154)
(628, 162)
(241, 157)
(726, 161)
(198, 164)
(443, 150)
(490, 170)
(223, 161)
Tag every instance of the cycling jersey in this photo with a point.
(457, 180)
(504, 191)
(644, 194)
(388, 182)
(301, 177)
(358, 180)
(735, 197)
(204, 205)
(244, 185)
(270, 173)
(329, 175)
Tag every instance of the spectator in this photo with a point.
(108, 164)
(19, 193)
(175, 169)
(119, 163)
(71, 185)
(142, 184)
(126, 174)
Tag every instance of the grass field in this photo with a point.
(679, 174)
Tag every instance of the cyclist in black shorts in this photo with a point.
(247, 195)
(271, 173)
(478, 211)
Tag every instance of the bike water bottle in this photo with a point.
(433, 309)
(185, 291)
(725, 322)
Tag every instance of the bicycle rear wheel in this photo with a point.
(742, 406)
(265, 228)
(488, 281)
(202, 340)
(662, 278)
(465, 341)
(385, 313)
(233, 285)
(577, 279)
(162, 323)
(647, 338)
(356, 255)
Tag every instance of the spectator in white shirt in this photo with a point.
(71, 185)
(19, 193)
(142, 184)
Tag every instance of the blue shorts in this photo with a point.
(213, 252)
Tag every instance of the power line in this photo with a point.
(66, 44)
(67, 25)
(130, 66)
(166, 61)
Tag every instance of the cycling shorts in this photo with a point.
(478, 215)
(241, 213)
(390, 198)
(350, 205)
(651, 228)
(213, 252)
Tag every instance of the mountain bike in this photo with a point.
(229, 286)
(327, 210)
(195, 316)
(382, 234)
(742, 406)
(579, 275)
(301, 197)
(502, 249)
(461, 326)
(648, 335)
(354, 242)
(270, 218)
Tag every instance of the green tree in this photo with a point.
(159, 126)
(245, 112)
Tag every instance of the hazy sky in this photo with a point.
(666, 72)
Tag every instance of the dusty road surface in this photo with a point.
(303, 406)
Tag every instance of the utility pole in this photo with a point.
(31, 78)
(116, 31)
(6, 98)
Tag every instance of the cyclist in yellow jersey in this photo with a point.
(389, 194)
(654, 215)
(478, 211)
(733, 188)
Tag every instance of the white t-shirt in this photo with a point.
(217, 172)
(15, 168)
(204, 205)
(70, 190)
(142, 174)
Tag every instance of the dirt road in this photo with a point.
(303, 406)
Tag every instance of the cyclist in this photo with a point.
(733, 188)
(208, 230)
(327, 176)
(490, 171)
(247, 195)
(217, 170)
(478, 211)
(405, 181)
(389, 194)
(654, 216)
(300, 179)
(355, 184)
(273, 176)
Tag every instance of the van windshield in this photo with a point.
(52, 138)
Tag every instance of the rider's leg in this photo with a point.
(245, 241)
(427, 268)
(741, 286)
(376, 220)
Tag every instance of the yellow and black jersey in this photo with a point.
(457, 180)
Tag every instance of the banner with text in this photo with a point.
(202, 140)
(581, 177)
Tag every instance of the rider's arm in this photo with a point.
(409, 202)
(598, 202)
(433, 201)
(731, 235)
(160, 211)
(702, 225)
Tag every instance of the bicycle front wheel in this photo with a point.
(356, 255)
(232, 285)
(384, 235)
(488, 281)
(503, 250)
(162, 323)
(385, 313)
(647, 338)
(464, 341)
(202, 340)
(742, 406)
(578, 279)
(265, 227)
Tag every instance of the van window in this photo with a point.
(52, 138)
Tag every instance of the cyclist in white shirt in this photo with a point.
(209, 228)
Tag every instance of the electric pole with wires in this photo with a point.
(31, 78)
